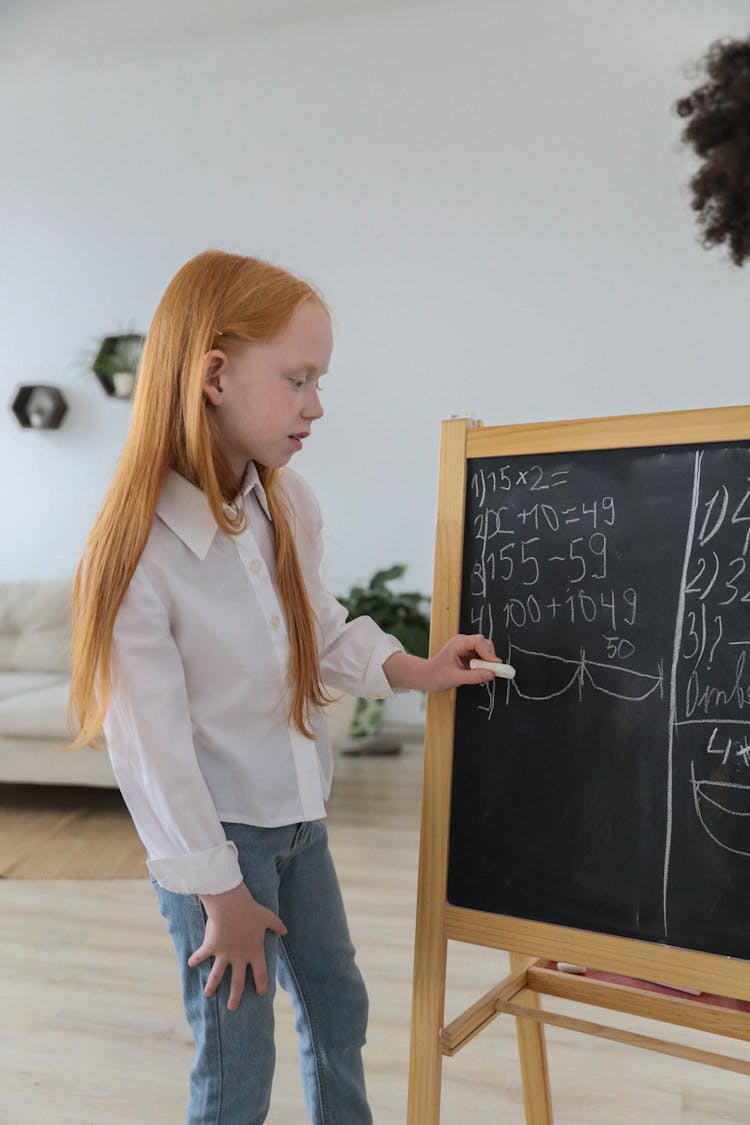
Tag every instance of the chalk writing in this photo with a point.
(617, 583)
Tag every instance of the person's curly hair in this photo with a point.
(718, 129)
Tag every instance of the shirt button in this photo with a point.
(275, 622)
(254, 565)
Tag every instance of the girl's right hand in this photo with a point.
(235, 932)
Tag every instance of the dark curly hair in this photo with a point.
(718, 129)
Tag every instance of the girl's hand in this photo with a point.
(448, 669)
(235, 931)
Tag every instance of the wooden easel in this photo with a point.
(533, 945)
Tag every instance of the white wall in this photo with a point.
(490, 194)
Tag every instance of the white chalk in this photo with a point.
(507, 671)
(677, 988)
(566, 967)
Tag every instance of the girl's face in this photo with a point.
(266, 395)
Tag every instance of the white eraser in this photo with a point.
(507, 671)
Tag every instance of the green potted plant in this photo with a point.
(116, 363)
(404, 615)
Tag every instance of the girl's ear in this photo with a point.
(213, 369)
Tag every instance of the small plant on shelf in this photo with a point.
(116, 363)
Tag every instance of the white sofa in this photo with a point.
(34, 681)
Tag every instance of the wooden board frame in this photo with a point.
(527, 941)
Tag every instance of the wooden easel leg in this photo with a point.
(533, 1054)
(426, 1065)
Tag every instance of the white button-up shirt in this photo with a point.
(198, 722)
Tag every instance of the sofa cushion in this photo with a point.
(16, 683)
(39, 712)
(39, 761)
(35, 626)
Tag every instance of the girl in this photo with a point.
(203, 639)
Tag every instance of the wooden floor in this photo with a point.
(92, 1027)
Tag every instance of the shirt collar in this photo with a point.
(185, 510)
(252, 481)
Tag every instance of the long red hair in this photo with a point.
(214, 294)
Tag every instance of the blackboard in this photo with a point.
(608, 786)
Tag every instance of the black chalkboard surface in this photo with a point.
(608, 786)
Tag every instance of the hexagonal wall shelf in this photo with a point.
(39, 406)
(116, 363)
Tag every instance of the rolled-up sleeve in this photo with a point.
(150, 743)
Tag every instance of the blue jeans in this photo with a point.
(290, 871)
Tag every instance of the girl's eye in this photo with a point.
(299, 384)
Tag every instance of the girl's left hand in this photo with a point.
(448, 669)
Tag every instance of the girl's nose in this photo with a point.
(313, 406)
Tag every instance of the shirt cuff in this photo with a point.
(201, 873)
(376, 681)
